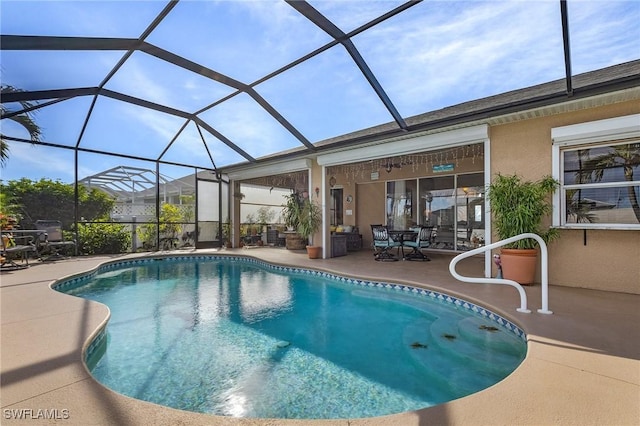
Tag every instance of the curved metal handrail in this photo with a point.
(544, 279)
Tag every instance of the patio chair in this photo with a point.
(382, 243)
(13, 247)
(51, 241)
(421, 240)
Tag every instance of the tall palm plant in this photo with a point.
(25, 119)
(627, 156)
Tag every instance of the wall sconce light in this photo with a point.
(317, 191)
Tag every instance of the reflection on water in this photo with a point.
(263, 294)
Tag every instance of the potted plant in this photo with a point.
(309, 221)
(519, 207)
(291, 215)
(291, 210)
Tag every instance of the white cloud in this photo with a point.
(348, 15)
(140, 81)
(604, 33)
(248, 126)
(274, 34)
(439, 54)
(36, 162)
(431, 55)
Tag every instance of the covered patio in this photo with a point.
(581, 366)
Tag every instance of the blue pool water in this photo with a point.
(234, 337)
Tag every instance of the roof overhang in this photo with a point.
(410, 145)
(276, 168)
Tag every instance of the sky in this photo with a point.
(432, 55)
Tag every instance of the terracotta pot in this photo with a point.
(519, 265)
(314, 252)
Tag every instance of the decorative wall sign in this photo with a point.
(439, 168)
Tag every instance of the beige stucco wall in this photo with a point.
(610, 260)
(370, 211)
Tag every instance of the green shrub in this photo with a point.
(170, 227)
(103, 238)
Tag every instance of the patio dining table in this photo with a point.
(399, 234)
(402, 235)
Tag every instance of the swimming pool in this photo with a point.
(234, 336)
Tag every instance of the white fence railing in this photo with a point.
(544, 278)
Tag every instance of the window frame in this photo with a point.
(602, 133)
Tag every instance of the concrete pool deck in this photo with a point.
(582, 365)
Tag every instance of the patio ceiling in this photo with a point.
(213, 84)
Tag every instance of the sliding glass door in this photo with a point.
(400, 204)
(452, 204)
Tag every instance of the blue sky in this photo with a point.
(433, 55)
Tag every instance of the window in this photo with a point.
(400, 202)
(336, 206)
(600, 181)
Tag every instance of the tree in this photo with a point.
(47, 199)
(8, 208)
(25, 119)
(626, 156)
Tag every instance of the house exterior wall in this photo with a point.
(597, 259)
(601, 260)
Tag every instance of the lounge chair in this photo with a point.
(13, 247)
(51, 241)
(382, 243)
(422, 240)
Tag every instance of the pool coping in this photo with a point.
(530, 382)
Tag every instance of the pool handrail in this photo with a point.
(544, 278)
